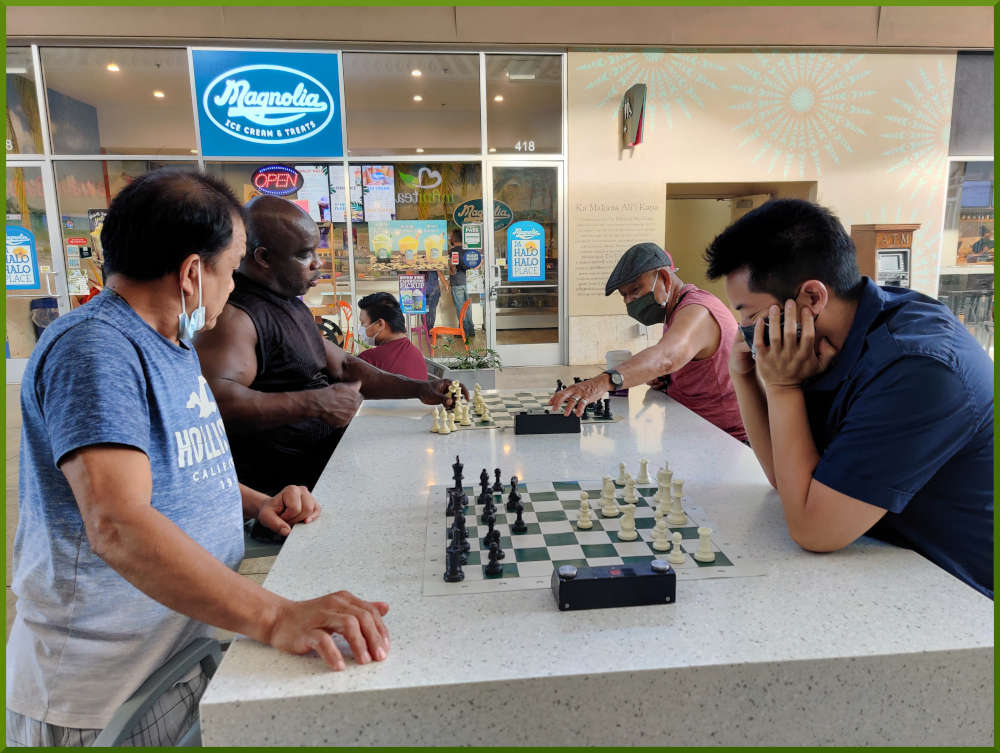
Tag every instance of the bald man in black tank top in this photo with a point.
(286, 394)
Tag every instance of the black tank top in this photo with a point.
(290, 357)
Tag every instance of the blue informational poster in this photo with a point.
(268, 103)
(22, 259)
(525, 252)
(411, 294)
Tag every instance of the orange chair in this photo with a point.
(458, 331)
(347, 311)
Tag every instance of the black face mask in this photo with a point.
(747, 330)
(645, 309)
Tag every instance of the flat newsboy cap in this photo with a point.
(642, 257)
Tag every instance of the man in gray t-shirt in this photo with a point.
(130, 512)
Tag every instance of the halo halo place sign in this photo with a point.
(268, 103)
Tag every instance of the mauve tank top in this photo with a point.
(704, 386)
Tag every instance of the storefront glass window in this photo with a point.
(84, 191)
(524, 104)
(30, 286)
(119, 100)
(321, 195)
(24, 132)
(966, 283)
(412, 103)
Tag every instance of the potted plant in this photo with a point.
(470, 367)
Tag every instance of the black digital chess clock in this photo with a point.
(546, 423)
(606, 586)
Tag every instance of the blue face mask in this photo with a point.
(188, 325)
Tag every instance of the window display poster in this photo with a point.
(525, 252)
(339, 196)
(472, 236)
(411, 294)
(411, 238)
(22, 259)
(474, 281)
(379, 188)
(315, 191)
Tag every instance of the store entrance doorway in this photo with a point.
(524, 254)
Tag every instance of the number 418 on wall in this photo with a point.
(524, 146)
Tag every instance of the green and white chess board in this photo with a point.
(552, 539)
(504, 405)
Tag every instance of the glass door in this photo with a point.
(525, 322)
(36, 290)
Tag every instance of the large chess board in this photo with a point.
(550, 511)
(507, 404)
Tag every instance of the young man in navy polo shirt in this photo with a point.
(878, 419)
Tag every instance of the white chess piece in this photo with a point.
(660, 489)
(676, 488)
(630, 495)
(621, 475)
(609, 505)
(676, 556)
(445, 423)
(464, 421)
(660, 541)
(643, 479)
(676, 516)
(583, 520)
(627, 531)
(607, 488)
(436, 426)
(451, 421)
(704, 552)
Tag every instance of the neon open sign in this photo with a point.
(277, 180)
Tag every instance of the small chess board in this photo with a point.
(552, 539)
(505, 405)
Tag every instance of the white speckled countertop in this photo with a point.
(869, 645)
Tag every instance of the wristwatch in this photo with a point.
(617, 380)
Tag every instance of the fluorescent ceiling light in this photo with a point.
(16, 70)
(521, 70)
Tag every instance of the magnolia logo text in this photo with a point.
(525, 234)
(268, 104)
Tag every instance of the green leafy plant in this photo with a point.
(486, 358)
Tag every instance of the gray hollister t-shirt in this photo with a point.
(84, 638)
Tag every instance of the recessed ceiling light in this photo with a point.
(194, 151)
(498, 98)
(113, 67)
(417, 98)
(493, 148)
(416, 73)
(158, 94)
(420, 150)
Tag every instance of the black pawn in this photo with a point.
(607, 408)
(559, 385)
(514, 497)
(453, 569)
(494, 567)
(519, 526)
(577, 380)
(484, 479)
(489, 510)
(484, 498)
(490, 521)
(497, 485)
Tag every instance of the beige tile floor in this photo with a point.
(258, 568)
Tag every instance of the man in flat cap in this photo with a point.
(690, 362)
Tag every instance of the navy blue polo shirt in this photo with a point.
(903, 420)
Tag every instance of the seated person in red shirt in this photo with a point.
(384, 330)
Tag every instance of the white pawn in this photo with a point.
(609, 505)
(486, 416)
(436, 426)
(660, 541)
(621, 475)
(464, 421)
(478, 389)
(583, 521)
(627, 531)
(643, 479)
(630, 495)
(704, 552)
(676, 556)
(451, 421)
(445, 423)
(676, 516)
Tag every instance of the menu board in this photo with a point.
(379, 187)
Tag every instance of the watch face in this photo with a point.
(616, 378)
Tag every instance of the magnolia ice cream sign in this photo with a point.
(268, 104)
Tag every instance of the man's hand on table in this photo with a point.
(338, 403)
(293, 504)
(303, 626)
(436, 393)
(575, 397)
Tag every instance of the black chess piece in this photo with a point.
(490, 521)
(453, 569)
(488, 509)
(485, 497)
(497, 485)
(559, 385)
(494, 567)
(607, 408)
(484, 478)
(519, 526)
(456, 468)
(577, 380)
(514, 497)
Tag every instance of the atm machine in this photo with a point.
(884, 252)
